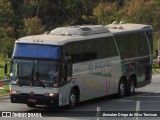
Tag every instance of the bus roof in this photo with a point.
(62, 35)
(116, 27)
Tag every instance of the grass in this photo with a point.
(5, 90)
(2, 61)
(155, 68)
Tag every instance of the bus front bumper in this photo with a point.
(35, 100)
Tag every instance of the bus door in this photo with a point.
(65, 82)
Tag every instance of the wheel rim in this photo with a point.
(72, 99)
(122, 89)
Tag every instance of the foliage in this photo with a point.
(32, 26)
(6, 46)
(105, 12)
(2, 61)
(144, 12)
(20, 18)
(6, 27)
(5, 90)
(155, 68)
(133, 11)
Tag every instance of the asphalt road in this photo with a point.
(146, 99)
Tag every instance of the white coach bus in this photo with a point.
(78, 63)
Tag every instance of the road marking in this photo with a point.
(134, 96)
(127, 101)
(129, 97)
(137, 109)
(142, 101)
(151, 96)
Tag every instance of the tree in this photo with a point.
(6, 27)
(106, 13)
(6, 19)
(32, 26)
(144, 12)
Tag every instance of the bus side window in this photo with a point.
(102, 47)
(111, 47)
(90, 50)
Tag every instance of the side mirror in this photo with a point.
(5, 68)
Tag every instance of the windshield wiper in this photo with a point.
(37, 79)
(23, 81)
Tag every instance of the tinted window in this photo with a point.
(112, 50)
(74, 51)
(142, 45)
(123, 42)
(132, 45)
(102, 48)
(150, 38)
(90, 49)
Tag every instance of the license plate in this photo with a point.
(32, 100)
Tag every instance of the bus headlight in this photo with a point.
(50, 94)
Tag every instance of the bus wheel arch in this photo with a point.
(132, 82)
(74, 97)
(122, 87)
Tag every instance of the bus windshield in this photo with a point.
(34, 73)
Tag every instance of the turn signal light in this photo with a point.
(14, 92)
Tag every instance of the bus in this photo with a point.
(77, 63)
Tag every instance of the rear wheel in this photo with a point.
(131, 86)
(121, 88)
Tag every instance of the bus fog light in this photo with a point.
(53, 94)
(46, 94)
(50, 94)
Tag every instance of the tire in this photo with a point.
(121, 88)
(72, 99)
(131, 86)
(31, 105)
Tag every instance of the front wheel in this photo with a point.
(121, 88)
(72, 99)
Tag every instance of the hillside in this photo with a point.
(19, 18)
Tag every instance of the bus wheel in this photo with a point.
(72, 99)
(131, 86)
(31, 105)
(121, 88)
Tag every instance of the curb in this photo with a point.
(4, 97)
